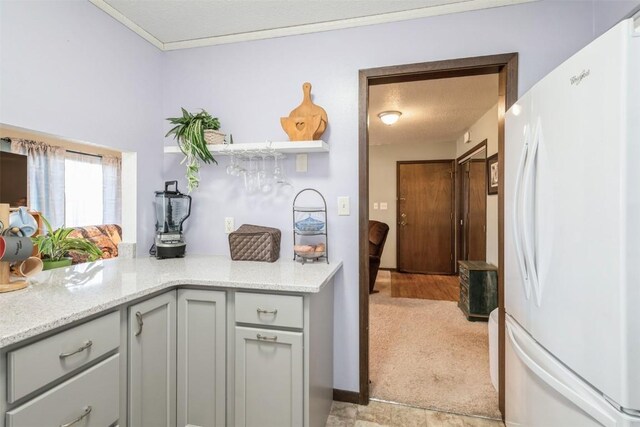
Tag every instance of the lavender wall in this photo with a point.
(607, 12)
(69, 69)
(250, 85)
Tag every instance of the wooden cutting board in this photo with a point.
(304, 114)
(301, 128)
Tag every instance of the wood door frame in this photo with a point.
(458, 196)
(506, 66)
(453, 206)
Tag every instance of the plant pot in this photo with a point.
(50, 264)
(213, 136)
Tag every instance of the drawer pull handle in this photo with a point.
(264, 311)
(85, 414)
(85, 346)
(267, 338)
(140, 323)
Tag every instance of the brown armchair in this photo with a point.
(377, 237)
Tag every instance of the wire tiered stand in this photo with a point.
(310, 241)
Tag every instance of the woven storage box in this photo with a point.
(213, 137)
(255, 243)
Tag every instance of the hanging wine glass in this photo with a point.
(239, 170)
(280, 177)
(265, 179)
(232, 165)
(251, 181)
(277, 168)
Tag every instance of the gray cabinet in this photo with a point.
(88, 399)
(152, 362)
(269, 378)
(201, 364)
(40, 363)
(187, 357)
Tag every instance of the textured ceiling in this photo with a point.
(432, 110)
(171, 24)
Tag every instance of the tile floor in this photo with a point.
(380, 414)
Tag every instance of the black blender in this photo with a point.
(172, 209)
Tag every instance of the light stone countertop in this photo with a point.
(58, 297)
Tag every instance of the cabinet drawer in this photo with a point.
(92, 395)
(270, 310)
(37, 364)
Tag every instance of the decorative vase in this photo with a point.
(213, 136)
(49, 264)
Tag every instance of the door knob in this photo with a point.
(403, 223)
(403, 215)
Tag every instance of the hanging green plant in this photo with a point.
(189, 133)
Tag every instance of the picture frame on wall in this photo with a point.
(492, 174)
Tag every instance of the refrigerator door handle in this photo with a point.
(528, 214)
(516, 220)
(580, 401)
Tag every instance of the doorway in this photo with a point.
(506, 68)
(425, 216)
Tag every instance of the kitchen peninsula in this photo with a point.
(201, 340)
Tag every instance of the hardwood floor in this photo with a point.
(425, 286)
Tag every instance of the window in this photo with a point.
(72, 188)
(83, 190)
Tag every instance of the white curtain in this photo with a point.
(45, 165)
(111, 190)
(83, 203)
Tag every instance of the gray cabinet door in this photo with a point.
(152, 362)
(269, 378)
(201, 358)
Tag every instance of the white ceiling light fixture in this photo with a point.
(389, 117)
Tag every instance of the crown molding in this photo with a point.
(462, 6)
(106, 7)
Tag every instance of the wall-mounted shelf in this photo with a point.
(285, 147)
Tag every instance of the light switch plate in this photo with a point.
(375, 206)
(301, 162)
(343, 205)
(383, 206)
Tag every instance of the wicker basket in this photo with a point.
(213, 136)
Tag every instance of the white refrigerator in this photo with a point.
(572, 241)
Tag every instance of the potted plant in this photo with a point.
(55, 246)
(193, 131)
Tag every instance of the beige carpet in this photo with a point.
(425, 353)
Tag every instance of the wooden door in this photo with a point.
(269, 378)
(425, 217)
(201, 358)
(477, 211)
(152, 362)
